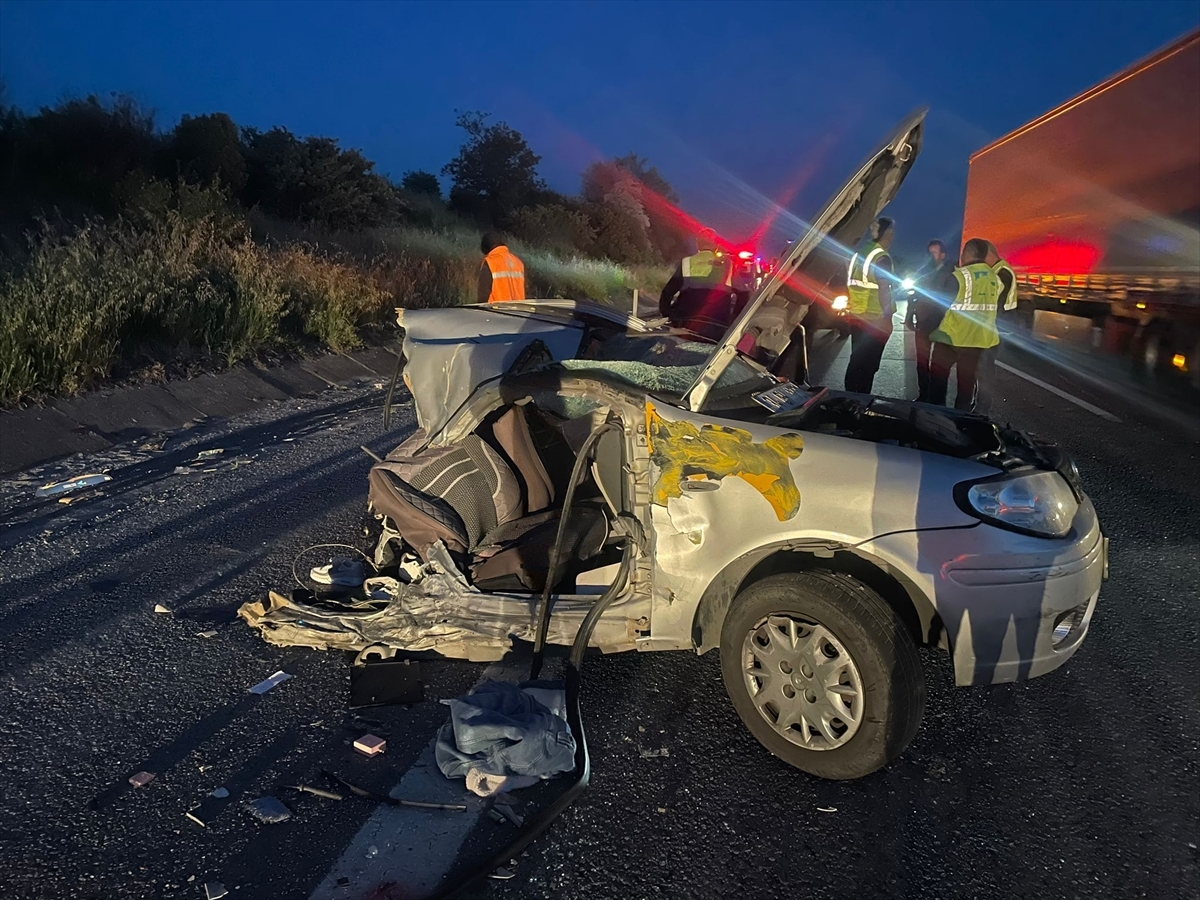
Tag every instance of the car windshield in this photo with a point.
(667, 364)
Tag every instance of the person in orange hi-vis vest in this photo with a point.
(502, 274)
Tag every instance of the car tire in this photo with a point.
(884, 675)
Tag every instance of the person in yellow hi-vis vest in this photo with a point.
(967, 329)
(699, 295)
(501, 274)
(870, 304)
(985, 388)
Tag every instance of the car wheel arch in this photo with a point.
(909, 601)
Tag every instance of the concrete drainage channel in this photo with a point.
(108, 417)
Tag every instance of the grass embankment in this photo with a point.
(134, 294)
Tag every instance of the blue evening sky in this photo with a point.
(735, 102)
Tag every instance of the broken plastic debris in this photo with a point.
(662, 809)
(268, 810)
(220, 793)
(159, 608)
(654, 754)
(155, 444)
(502, 874)
(826, 809)
(214, 890)
(510, 814)
(370, 745)
(208, 454)
(196, 820)
(207, 634)
(316, 792)
(141, 779)
(54, 488)
(263, 686)
(372, 852)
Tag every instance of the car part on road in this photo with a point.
(383, 682)
(823, 673)
(58, 488)
(141, 779)
(316, 792)
(388, 798)
(263, 686)
(268, 810)
(535, 825)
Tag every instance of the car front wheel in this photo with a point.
(823, 673)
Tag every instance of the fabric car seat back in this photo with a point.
(456, 494)
(511, 432)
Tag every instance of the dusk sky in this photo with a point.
(735, 102)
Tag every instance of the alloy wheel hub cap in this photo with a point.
(803, 682)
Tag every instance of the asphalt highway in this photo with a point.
(1084, 783)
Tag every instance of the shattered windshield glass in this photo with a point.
(666, 364)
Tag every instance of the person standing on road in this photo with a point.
(967, 329)
(927, 306)
(501, 274)
(1005, 304)
(871, 305)
(699, 295)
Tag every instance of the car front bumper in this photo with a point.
(998, 596)
(1023, 611)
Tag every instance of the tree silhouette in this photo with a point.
(205, 150)
(495, 172)
(422, 183)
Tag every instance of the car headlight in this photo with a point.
(840, 301)
(1038, 503)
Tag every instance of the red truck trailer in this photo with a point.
(1096, 205)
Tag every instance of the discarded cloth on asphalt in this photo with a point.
(502, 729)
(440, 611)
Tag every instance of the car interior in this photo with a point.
(495, 497)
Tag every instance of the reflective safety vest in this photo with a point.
(706, 270)
(971, 319)
(861, 286)
(508, 275)
(1010, 299)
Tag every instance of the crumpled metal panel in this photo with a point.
(450, 352)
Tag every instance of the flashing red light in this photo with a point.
(745, 254)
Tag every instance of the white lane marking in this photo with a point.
(1059, 392)
(413, 848)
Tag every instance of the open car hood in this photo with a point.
(820, 254)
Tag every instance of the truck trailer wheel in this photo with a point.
(823, 673)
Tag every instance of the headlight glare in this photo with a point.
(1038, 503)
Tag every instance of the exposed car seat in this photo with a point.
(490, 503)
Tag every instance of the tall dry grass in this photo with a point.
(80, 305)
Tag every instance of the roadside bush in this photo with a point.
(554, 227)
(329, 299)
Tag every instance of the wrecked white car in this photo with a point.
(815, 538)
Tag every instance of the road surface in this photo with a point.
(1083, 783)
